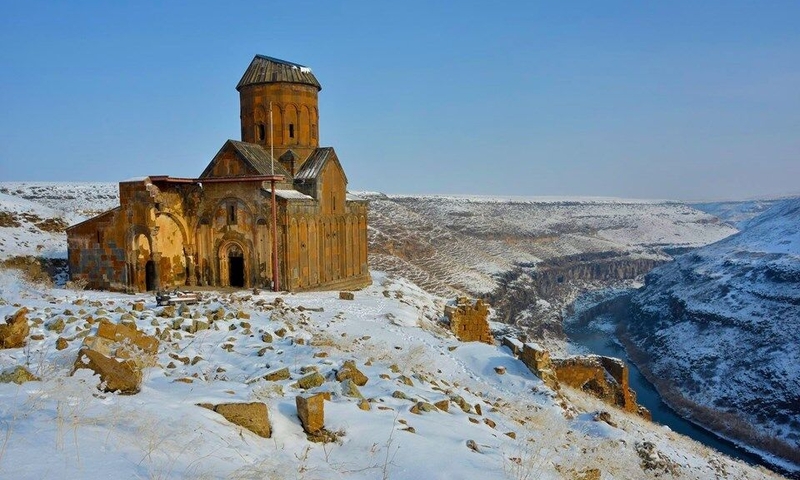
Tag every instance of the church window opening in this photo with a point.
(291, 130)
(231, 214)
(261, 132)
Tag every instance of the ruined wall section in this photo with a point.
(110, 251)
(95, 256)
(537, 359)
(603, 377)
(469, 321)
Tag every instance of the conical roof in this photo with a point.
(264, 69)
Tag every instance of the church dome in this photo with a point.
(264, 69)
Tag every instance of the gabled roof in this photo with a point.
(254, 155)
(264, 69)
(315, 163)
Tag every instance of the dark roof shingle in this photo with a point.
(265, 69)
(254, 155)
(259, 158)
(313, 165)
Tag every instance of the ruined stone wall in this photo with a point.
(468, 321)
(96, 255)
(146, 233)
(603, 377)
(538, 361)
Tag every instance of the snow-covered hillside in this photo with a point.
(736, 213)
(490, 426)
(720, 331)
(531, 257)
(33, 216)
(84, 199)
(448, 243)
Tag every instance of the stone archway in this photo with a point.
(233, 265)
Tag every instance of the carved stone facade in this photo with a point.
(217, 229)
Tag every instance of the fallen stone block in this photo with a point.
(253, 416)
(346, 296)
(349, 389)
(15, 332)
(118, 354)
(349, 371)
(311, 412)
(116, 376)
(310, 381)
(18, 375)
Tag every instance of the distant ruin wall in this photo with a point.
(603, 377)
(468, 321)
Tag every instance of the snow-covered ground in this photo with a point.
(64, 427)
(719, 327)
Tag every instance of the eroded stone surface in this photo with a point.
(468, 320)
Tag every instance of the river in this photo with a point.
(596, 335)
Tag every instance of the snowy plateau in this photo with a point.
(424, 250)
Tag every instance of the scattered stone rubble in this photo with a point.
(118, 354)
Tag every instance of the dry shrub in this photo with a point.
(8, 219)
(53, 225)
(77, 284)
(33, 269)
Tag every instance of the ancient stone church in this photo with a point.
(271, 210)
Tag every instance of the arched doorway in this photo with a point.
(150, 275)
(235, 266)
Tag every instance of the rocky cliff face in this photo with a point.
(717, 331)
(534, 298)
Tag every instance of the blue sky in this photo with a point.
(685, 100)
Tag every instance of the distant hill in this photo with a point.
(719, 329)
